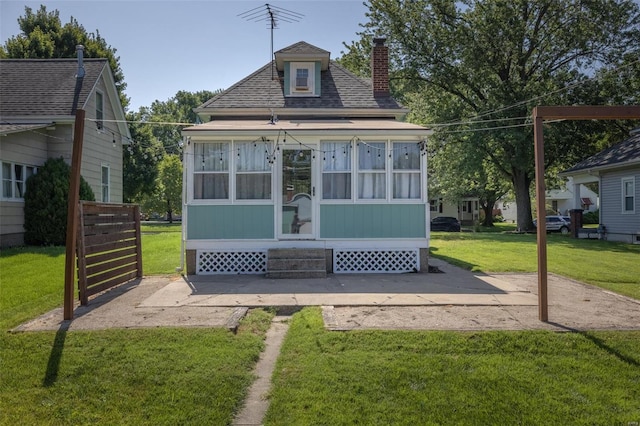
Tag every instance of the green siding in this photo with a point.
(317, 78)
(230, 222)
(287, 73)
(373, 221)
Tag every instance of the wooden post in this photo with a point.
(72, 214)
(541, 211)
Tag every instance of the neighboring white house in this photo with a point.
(304, 155)
(467, 210)
(558, 200)
(38, 102)
(617, 172)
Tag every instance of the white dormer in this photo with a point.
(302, 65)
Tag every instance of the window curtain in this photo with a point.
(253, 172)
(211, 167)
(336, 170)
(406, 171)
(371, 160)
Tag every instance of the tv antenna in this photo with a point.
(272, 15)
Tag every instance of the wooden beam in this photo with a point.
(72, 215)
(588, 112)
(540, 113)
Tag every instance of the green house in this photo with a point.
(303, 159)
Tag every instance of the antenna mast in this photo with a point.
(272, 15)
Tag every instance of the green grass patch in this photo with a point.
(474, 378)
(146, 376)
(610, 265)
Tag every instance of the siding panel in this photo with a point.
(373, 221)
(620, 227)
(230, 222)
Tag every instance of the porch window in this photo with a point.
(253, 172)
(211, 171)
(406, 171)
(372, 183)
(628, 195)
(336, 170)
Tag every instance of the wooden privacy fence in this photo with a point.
(109, 246)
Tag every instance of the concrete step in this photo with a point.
(296, 274)
(296, 264)
(295, 253)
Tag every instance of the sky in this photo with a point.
(168, 46)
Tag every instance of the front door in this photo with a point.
(296, 194)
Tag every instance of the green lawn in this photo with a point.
(470, 378)
(610, 265)
(199, 376)
(147, 376)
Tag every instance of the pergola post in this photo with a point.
(586, 112)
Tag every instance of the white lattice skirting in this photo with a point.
(380, 261)
(231, 262)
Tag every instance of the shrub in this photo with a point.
(591, 217)
(45, 203)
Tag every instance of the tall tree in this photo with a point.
(43, 37)
(140, 160)
(496, 59)
(167, 195)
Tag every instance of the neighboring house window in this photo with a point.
(433, 205)
(554, 205)
(211, 171)
(372, 182)
(336, 170)
(99, 110)
(406, 171)
(628, 195)
(302, 78)
(105, 183)
(14, 178)
(253, 172)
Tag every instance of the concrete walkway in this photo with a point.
(455, 299)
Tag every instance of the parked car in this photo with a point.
(560, 224)
(445, 223)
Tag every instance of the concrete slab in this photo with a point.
(453, 300)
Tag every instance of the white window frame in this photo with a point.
(16, 182)
(99, 109)
(105, 187)
(400, 148)
(296, 90)
(624, 182)
(324, 155)
(373, 150)
(266, 172)
(222, 151)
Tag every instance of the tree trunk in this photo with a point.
(488, 213)
(521, 185)
(169, 211)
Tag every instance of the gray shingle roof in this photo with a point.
(627, 151)
(340, 90)
(45, 87)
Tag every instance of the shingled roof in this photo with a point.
(626, 152)
(39, 88)
(341, 92)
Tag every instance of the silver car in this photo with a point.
(560, 224)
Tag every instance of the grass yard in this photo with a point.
(147, 376)
(471, 378)
(610, 265)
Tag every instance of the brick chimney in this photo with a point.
(380, 67)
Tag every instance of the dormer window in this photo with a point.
(302, 79)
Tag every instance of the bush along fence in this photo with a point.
(109, 247)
